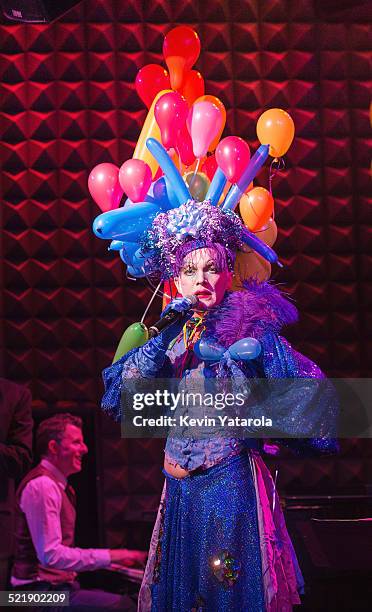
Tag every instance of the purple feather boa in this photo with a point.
(260, 308)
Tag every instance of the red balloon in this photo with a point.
(170, 112)
(181, 49)
(104, 186)
(232, 155)
(149, 81)
(210, 166)
(135, 179)
(193, 87)
(184, 146)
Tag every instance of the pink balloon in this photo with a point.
(232, 155)
(204, 123)
(104, 186)
(135, 178)
(170, 112)
(184, 146)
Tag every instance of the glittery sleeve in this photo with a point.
(308, 410)
(112, 380)
(148, 361)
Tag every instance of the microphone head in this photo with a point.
(192, 299)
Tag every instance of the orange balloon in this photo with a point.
(247, 266)
(222, 109)
(276, 128)
(256, 208)
(193, 87)
(268, 233)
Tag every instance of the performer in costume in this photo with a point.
(219, 541)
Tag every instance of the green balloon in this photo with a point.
(198, 185)
(135, 335)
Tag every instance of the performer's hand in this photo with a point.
(151, 356)
(184, 307)
(128, 558)
(180, 304)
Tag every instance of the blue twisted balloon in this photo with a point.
(247, 177)
(127, 223)
(169, 169)
(216, 187)
(260, 247)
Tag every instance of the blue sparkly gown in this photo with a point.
(219, 541)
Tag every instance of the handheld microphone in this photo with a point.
(171, 317)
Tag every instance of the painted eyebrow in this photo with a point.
(192, 265)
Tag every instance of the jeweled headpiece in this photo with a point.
(191, 226)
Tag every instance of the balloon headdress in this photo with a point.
(191, 226)
(184, 182)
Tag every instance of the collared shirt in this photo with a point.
(41, 502)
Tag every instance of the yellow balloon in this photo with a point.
(268, 233)
(249, 266)
(150, 130)
(276, 128)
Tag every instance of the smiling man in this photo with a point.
(46, 558)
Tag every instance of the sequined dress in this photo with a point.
(220, 541)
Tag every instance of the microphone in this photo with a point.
(171, 317)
